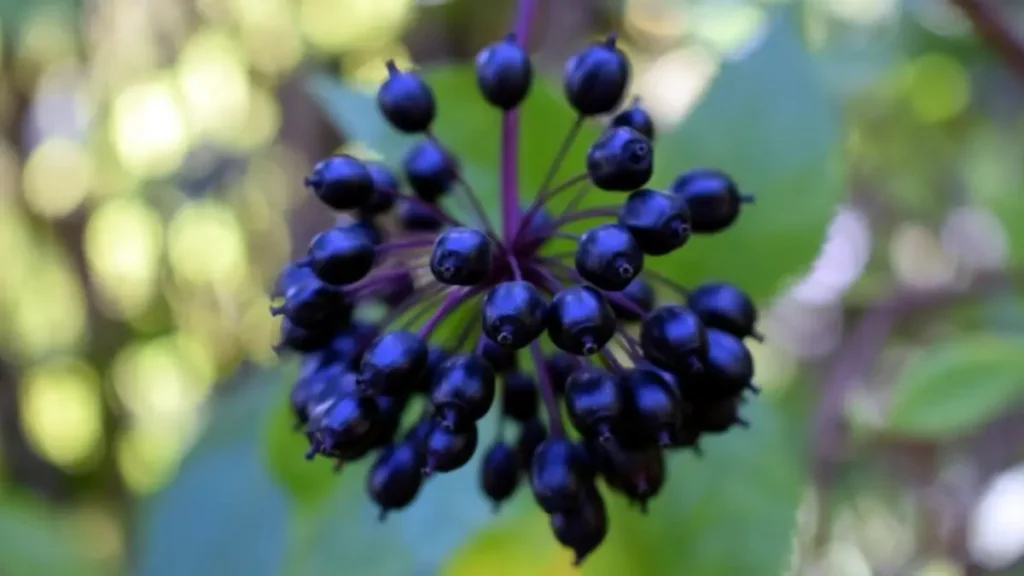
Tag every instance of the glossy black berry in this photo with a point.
(390, 409)
(638, 474)
(514, 314)
(501, 359)
(293, 337)
(560, 366)
(461, 257)
(314, 305)
(504, 73)
(367, 226)
(396, 476)
(406, 100)
(531, 434)
(415, 217)
(726, 307)
(463, 390)
(385, 190)
(519, 396)
(620, 160)
(674, 339)
(560, 474)
(659, 222)
(718, 417)
(596, 77)
(347, 344)
(292, 275)
(449, 450)
(436, 356)
(536, 230)
(314, 388)
(637, 118)
(653, 405)
(341, 255)
(417, 433)
(581, 321)
(608, 257)
(393, 363)
(430, 169)
(583, 528)
(499, 473)
(639, 300)
(728, 366)
(594, 400)
(713, 198)
(341, 182)
(347, 428)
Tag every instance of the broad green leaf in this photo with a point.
(33, 542)
(956, 385)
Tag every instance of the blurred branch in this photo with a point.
(991, 26)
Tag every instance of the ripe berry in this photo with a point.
(406, 100)
(292, 275)
(519, 396)
(584, 527)
(620, 160)
(430, 169)
(463, 390)
(718, 417)
(640, 295)
(673, 339)
(314, 305)
(659, 222)
(346, 344)
(560, 474)
(637, 118)
(385, 190)
(639, 474)
(341, 255)
(299, 339)
(414, 217)
(531, 434)
(311, 389)
(594, 401)
(341, 182)
(596, 77)
(449, 450)
(608, 257)
(346, 429)
(436, 356)
(370, 229)
(393, 363)
(580, 322)
(713, 198)
(397, 290)
(395, 477)
(501, 359)
(390, 409)
(504, 72)
(499, 473)
(560, 366)
(461, 257)
(417, 433)
(514, 314)
(654, 406)
(726, 307)
(728, 366)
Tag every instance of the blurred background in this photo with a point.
(151, 160)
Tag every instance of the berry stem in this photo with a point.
(667, 282)
(547, 393)
(403, 244)
(578, 197)
(375, 280)
(454, 299)
(420, 297)
(429, 206)
(569, 217)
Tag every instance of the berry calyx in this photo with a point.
(608, 257)
(406, 100)
(504, 73)
(341, 182)
(461, 257)
(580, 322)
(713, 198)
(595, 78)
(594, 400)
(463, 390)
(499, 473)
(514, 314)
(620, 160)
(659, 222)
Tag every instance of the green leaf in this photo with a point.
(956, 385)
(32, 542)
(308, 483)
(767, 121)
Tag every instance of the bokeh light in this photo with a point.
(61, 404)
(148, 128)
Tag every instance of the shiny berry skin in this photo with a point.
(620, 160)
(414, 217)
(395, 477)
(639, 474)
(436, 356)
(724, 306)
(417, 433)
(504, 73)
(406, 100)
(313, 388)
(580, 321)
(514, 314)
(674, 339)
(346, 344)
(341, 182)
(560, 474)
(728, 366)
(583, 528)
(293, 337)
(593, 398)
(314, 305)
(499, 473)
(640, 295)
(501, 359)
(713, 198)
(463, 390)
(519, 396)
(449, 450)
(341, 255)
(390, 409)
(393, 363)
(720, 416)
(654, 406)
(461, 257)
(637, 118)
(347, 428)
(531, 434)
(430, 170)
(292, 275)
(560, 366)
(367, 226)
(385, 190)
(595, 78)
(659, 222)
(608, 257)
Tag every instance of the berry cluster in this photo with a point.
(635, 378)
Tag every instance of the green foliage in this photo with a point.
(956, 385)
(32, 542)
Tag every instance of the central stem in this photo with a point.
(510, 137)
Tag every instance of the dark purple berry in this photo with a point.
(314, 305)
(299, 339)
(639, 474)
(718, 417)
(531, 434)
(712, 197)
(596, 77)
(659, 222)
(594, 401)
(346, 344)
(463, 390)
(640, 298)
(461, 257)
(560, 474)
(393, 363)
(370, 229)
(346, 429)
(726, 307)
(341, 255)
(292, 275)
(385, 190)
(406, 100)
(341, 182)
(560, 366)
(674, 339)
(390, 409)
(654, 407)
(430, 170)
(584, 527)
(436, 356)
(504, 73)
(580, 321)
(449, 450)
(397, 290)
(499, 473)
(314, 388)
(396, 477)
(608, 257)
(415, 217)
(637, 118)
(728, 366)
(519, 396)
(501, 359)
(620, 160)
(514, 314)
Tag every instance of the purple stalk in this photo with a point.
(450, 303)
(510, 137)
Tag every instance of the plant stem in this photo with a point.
(510, 136)
(454, 299)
